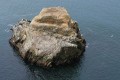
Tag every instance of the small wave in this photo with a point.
(10, 25)
(7, 30)
(112, 36)
(90, 30)
(87, 45)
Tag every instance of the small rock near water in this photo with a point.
(51, 38)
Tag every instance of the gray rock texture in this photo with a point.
(51, 38)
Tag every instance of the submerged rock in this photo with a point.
(51, 38)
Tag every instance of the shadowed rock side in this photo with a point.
(51, 38)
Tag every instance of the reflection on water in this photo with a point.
(67, 72)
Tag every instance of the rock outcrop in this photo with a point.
(51, 38)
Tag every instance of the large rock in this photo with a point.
(51, 38)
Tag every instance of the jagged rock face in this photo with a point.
(51, 38)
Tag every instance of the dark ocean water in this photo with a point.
(99, 21)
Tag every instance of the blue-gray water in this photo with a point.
(99, 21)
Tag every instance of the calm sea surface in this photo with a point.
(99, 21)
